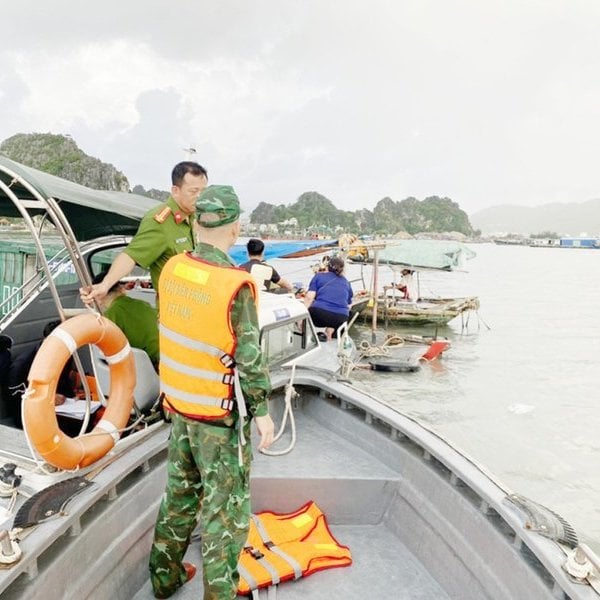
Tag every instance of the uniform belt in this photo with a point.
(205, 421)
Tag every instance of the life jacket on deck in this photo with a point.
(288, 546)
(195, 328)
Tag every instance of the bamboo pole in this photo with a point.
(375, 294)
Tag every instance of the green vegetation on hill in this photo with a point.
(59, 155)
(312, 210)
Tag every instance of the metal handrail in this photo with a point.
(55, 215)
(32, 285)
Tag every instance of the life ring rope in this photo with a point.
(41, 464)
(39, 416)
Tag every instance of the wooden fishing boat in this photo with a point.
(425, 311)
(421, 519)
(408, 259)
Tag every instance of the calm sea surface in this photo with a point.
(520, 398)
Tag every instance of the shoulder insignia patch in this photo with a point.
(160, 217)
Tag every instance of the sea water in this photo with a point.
(518, 391)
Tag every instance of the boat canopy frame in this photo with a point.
(26, 193)
(78, 214)
(26, 208)
(90, 213)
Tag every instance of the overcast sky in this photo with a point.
(484, 101)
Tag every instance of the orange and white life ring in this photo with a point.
(39, 416)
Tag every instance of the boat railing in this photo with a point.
(37, 203)
(20, 296)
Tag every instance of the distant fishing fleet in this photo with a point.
(590, 243)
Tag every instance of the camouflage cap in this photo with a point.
(217, 205)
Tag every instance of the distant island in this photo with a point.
(59, 155)
(311, 213)
(573, 219)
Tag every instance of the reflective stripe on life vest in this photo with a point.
(195, 372)
(268, 542)
(284, 547)
(184, 340)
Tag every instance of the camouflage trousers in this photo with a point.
(206, 482)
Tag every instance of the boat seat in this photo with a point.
(261, 274)
(147, 387)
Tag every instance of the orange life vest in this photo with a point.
(195, 329)
(289, 546)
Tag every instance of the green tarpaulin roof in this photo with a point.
(426, 254)
(91, 213)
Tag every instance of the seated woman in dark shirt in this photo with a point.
(329, 297)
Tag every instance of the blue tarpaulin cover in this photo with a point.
(276, 248)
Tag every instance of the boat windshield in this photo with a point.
(101, 260)
(286, 340)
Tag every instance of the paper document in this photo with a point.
(76, 408)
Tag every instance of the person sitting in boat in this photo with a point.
(136, 318)
(329, 297)
(405, 285)
(68, 382)
(267, 278)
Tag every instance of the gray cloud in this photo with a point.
(158, 138)
(486, 102)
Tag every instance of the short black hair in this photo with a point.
(255, 247)
(180, 170)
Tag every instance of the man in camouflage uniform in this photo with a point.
(165, 231)
(208, 476)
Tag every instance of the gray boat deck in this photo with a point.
(414, 529)
(384, 565)
(354, 492)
